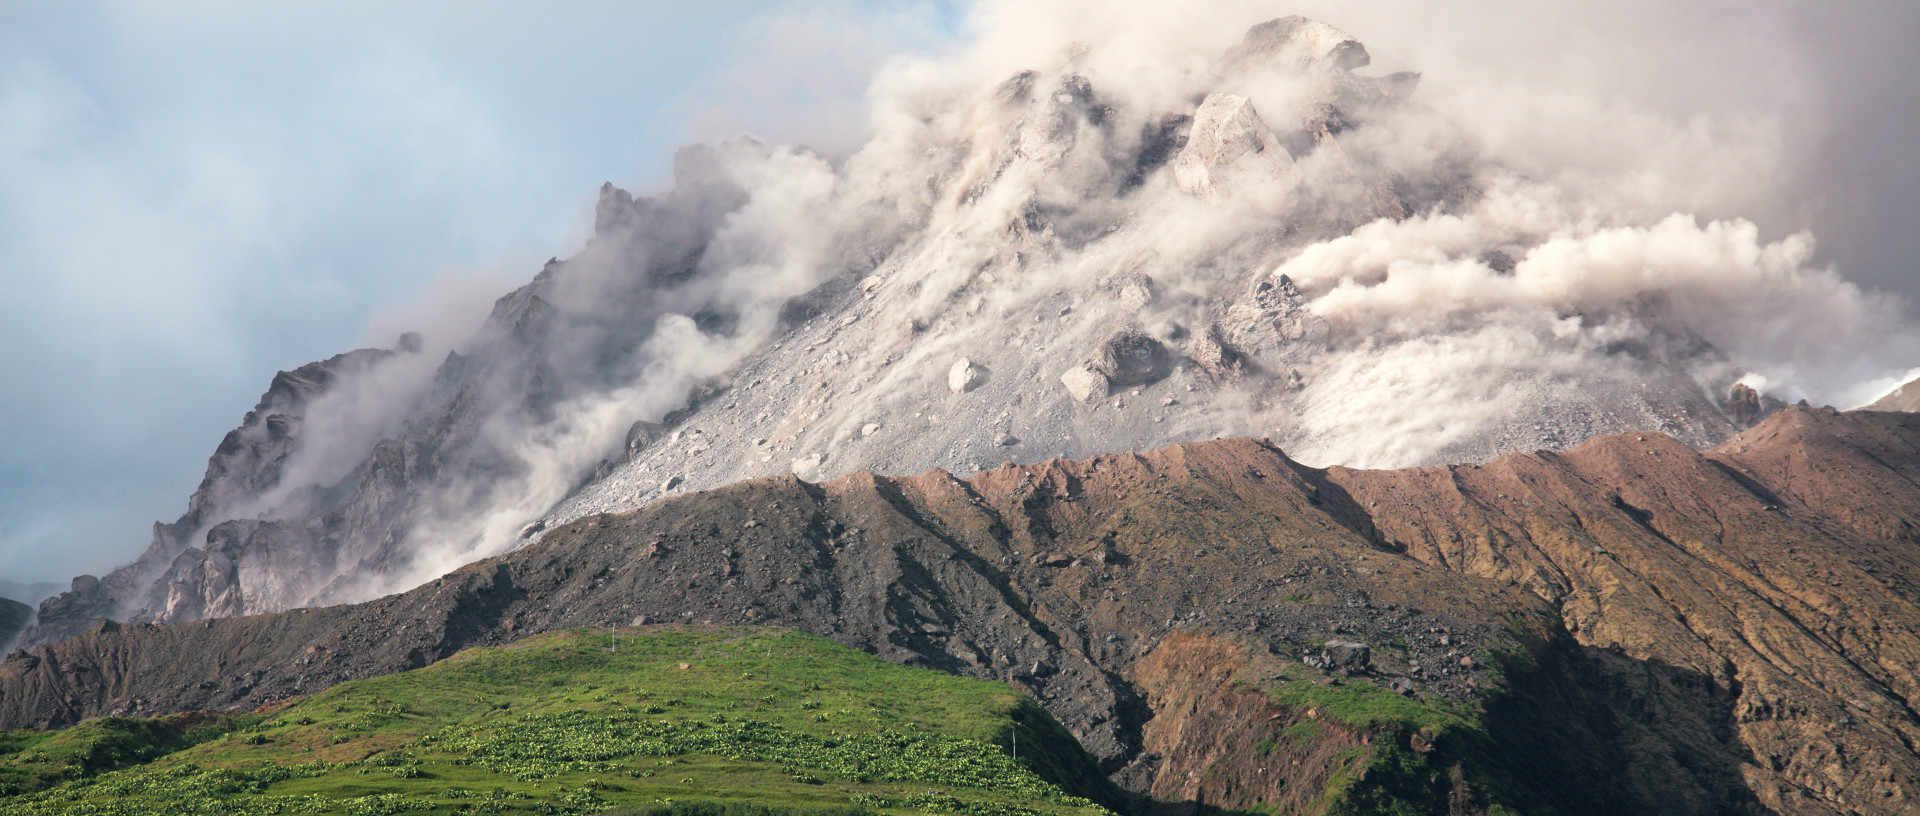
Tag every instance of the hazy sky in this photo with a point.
(194, 195)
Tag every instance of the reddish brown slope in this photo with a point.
(1780, 565)
(1742, 622)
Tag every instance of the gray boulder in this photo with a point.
(1347, 654)
(1132, 358)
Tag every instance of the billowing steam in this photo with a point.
(1374, 275)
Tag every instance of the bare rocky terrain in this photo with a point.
(1904, 398)
(1649, 628)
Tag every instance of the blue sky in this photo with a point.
(194, 195)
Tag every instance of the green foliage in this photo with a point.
(759, 722)
(1302, 733)
(735, 809)
(1365, 705)
(543, 746)
(1387, 777)
(104, 744)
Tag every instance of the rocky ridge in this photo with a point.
(1728, 632)
(1904, 398)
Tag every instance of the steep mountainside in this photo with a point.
(1058, 260)
(1648, 629)
(245, 477)
(1904, 398)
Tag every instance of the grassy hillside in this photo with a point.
(736, 721)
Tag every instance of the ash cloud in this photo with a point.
(1555, 219)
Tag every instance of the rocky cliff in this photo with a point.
(1650, 629)
(14, 617)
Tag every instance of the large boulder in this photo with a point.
(964, 376)
(1132, 358)
(1084, 384)
(1347, 655)
(1230, 150)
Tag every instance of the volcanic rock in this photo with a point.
(14, 617)
(1751, 595)
(1085, 384)
(1229, 148)
(964, 376)
(1034, 218)
(1347, 655)
(1132, 358)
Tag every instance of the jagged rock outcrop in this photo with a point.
(291, 515)
(1746, 407)
(245, 472)
(1729, 632)
(1230, 149)
(14, 617)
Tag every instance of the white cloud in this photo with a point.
(193, 195)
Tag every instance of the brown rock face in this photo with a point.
(1216, 743)
(1747, 407)
(1730, 632)
(1777, 573)
(1744, 404)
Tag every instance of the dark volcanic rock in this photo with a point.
(1055, 578)
(14, 616)
(1347, 655)
(1743, 599)
(1132, 358)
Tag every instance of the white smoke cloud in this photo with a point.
(1641, 166)
(1618, 199)
(1633, 166)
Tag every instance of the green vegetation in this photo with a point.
(1302, 733)
(33, 760)
(679, 722)
(1409, 765)
(1366, 705)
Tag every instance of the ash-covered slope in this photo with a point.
(1094, 251)
(1904, 398)
(1733, 632)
